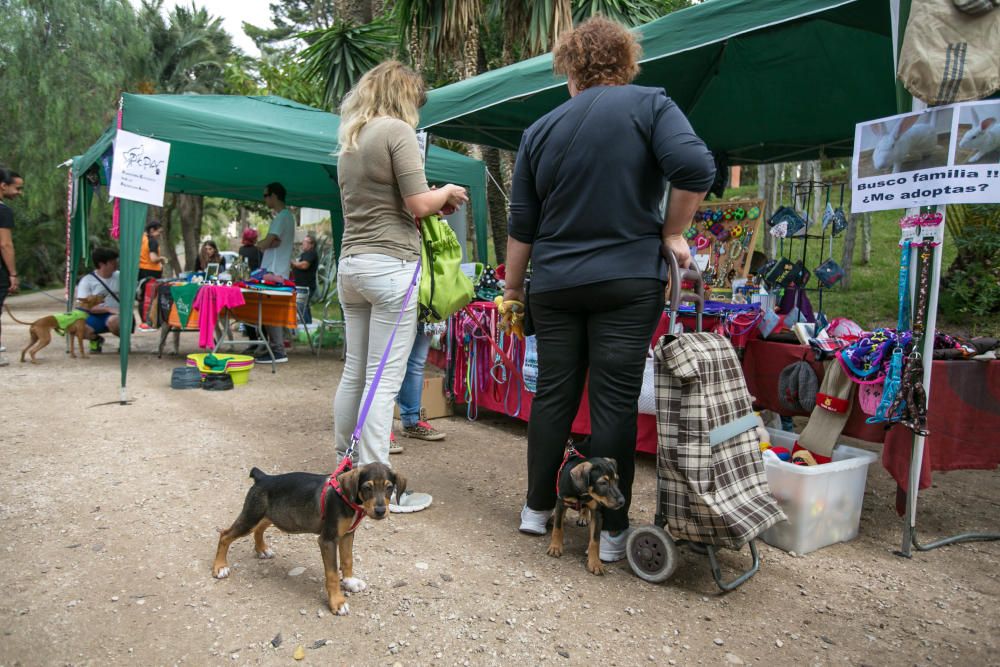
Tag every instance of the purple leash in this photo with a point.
(356, 436)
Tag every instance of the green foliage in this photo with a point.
(338, 56)
(63, 64)
(290, 18)
(971, 286)
(627, 12)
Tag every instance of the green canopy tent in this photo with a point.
(231, 146)
(760, 80)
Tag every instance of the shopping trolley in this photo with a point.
(711, 487)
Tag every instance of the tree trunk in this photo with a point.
(497, 201)
(847, 258)
(358, 12)
(190, 208)
(168, 240)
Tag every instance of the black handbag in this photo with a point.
(778, 274)
(798, 275)
(786, 222)
(829, 273)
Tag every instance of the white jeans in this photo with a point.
(371, 290)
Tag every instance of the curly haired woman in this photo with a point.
(586, 210)
(383, 187)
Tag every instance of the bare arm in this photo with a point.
(270, 241)
(7, 252)
(301, 265)
(518, 254)
(432, 201)
(680, 211)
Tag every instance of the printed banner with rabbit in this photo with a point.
(944, 155)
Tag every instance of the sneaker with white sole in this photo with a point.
(533, 521)
(423, 431)
(613, 546)
(394, 447)
(410, 502)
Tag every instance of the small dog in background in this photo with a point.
(585, 484)
(41, 329)
(302, 502)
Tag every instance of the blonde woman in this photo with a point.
(383, 186)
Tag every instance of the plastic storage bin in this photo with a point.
(823, 502)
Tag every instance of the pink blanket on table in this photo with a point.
(209, 302)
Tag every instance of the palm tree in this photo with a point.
(189, 55)
(339, 55)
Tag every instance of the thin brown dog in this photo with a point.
(292, 502)
(42, 328)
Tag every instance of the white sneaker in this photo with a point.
(613, 548)
(533, 521)
(410, 502)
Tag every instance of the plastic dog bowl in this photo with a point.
(238, 366)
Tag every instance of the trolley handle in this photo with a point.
(677, 275)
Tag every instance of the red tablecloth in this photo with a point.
(963, 416)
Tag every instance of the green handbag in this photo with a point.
(444, 288)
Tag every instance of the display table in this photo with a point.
(963, 416)
(275, 308)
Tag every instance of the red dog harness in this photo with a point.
(334, 483)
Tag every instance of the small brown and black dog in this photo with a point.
(586, 484)
(293, 503)
(42, 328)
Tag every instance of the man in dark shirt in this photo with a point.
(304, 273)
(10, 188)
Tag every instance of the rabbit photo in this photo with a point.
(984, 136)
(905, 140)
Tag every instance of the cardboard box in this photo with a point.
(433, 403)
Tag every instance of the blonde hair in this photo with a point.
(388, 89)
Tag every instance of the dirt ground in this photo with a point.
(111, 511)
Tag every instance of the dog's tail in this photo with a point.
(256, 474)
(7, 307)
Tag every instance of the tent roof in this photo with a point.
(760, 80)
(231, 146)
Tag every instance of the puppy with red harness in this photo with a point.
(585, 484)
(330, 506)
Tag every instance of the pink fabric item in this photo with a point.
(209, 302)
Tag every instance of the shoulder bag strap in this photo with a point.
(105, 285)
(555, 172)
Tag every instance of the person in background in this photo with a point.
(594, 237)
(411, 393)
(102, 280)
(277, 259)
(249, 251)
(150, 267)
(382, 186)
(304, 273)
(209, 254)
(150, 259)
(11, 185)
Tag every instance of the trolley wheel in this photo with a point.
(652, 554)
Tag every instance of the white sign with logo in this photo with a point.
(942, 155)
(139, 168)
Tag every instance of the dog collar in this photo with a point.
(334, 483)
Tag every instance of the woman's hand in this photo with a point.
(456, 195)
(514, 294)
(679, 246)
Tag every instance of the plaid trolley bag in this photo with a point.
(711, 487)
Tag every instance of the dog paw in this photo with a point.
(266, 553)
(596, 568)
(342, 610)
(554, 551)
(220, 572)
(583, 521)
(353, 585)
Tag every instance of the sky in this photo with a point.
(233, 14)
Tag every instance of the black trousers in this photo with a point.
(604, 328)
